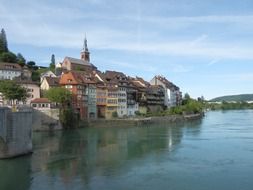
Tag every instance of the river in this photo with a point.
(213, 153)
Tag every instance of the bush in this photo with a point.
(114, 114)
(68, 118)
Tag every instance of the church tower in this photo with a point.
(85, 54)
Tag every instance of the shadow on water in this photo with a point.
(15, 173)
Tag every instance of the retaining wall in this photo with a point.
(15, 132)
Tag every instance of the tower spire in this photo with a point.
(85, 54)
(85, 46)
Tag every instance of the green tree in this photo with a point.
(63, 97)
(59, 95)
(8, 57)
(3, 42)
(13, 91)
(30, 64)
(35, 76)
(186, 99)
(52, 64)
(20, 59)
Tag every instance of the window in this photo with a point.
(68, 86)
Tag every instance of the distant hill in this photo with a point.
(237, 98)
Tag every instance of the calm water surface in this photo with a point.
(215, 153)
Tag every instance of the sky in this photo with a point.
(203, 46)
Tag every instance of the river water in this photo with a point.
(214, 153)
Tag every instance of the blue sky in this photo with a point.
(203, 46)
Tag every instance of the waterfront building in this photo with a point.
(173, 95)
(141, 96)
(119, 80)
(111, 102)
(132, 104)
(155, 98)
(101, 99)
(83, 90)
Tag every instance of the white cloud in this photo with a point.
(38, 27)
(212, 62)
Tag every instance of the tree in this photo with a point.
(59, 95)
(62, 96)
(20, 59)
(13, 91)
(52, 64)
(3, 42)
(30, 64)
(186, 99)
(35, 76)
(8, 57)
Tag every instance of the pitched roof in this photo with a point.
(10, 66)
(82, 77)
(19, 80)
(79, 77)
(47, 73)
(40, 100)
(52, 81)
(78, 61)
(114, 74)
(168, 84)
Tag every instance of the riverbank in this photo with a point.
(140, 121)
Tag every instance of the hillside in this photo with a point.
(237, 98)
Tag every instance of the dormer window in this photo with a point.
(69, 80)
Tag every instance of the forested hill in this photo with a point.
(237, 98)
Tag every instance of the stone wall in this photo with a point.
(15, 132)
(45, 120)
(130, 122)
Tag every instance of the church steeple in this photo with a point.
(85, 54)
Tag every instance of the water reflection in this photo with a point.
(215, 153)
(80, 158)
(82, 154)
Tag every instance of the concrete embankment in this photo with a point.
(143, 121)
(15, 132)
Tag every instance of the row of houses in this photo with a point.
(108, 94)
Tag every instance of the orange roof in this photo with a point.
(75, 77)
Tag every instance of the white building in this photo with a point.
(46, 74)
(173, 96)
(41, 104)
(10, 71)
(49, 82)
(122, 102)
(132, 109)
(32, 88)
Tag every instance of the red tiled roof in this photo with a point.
(53, 81)
(82, 77)
(10, 66)
(40, 100)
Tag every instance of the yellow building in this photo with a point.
(111, 103)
